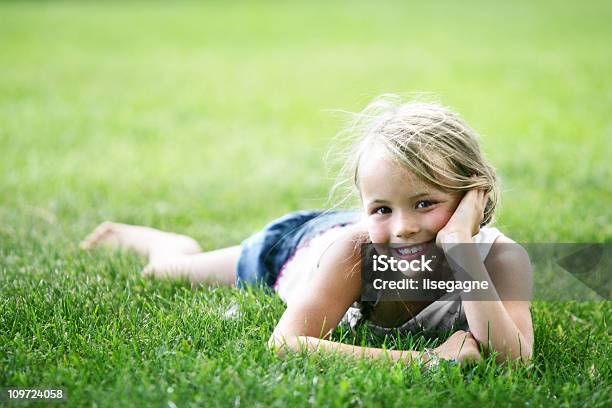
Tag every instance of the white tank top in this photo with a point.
(300, 267)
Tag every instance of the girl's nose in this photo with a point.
(405, 228)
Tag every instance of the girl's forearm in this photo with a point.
(487, 317)
(313, 344)
(491, 325)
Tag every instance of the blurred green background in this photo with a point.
(211, 119)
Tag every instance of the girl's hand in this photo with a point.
(465, 221)
(461, 347)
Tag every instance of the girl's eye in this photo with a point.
(382, 210)
(424, 204)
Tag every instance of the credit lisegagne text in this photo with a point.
(430, 284)
(383, 263)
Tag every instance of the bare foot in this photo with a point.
(143, 240)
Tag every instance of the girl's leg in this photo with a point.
(170, 255)
(218, 266)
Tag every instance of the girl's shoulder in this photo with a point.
(355, 236)
(490, 235)
(508, 259)
(499, 241)
(346, 248)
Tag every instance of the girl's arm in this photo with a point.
(502, 322)
(314, 344)
(461, 347)
(313, 313)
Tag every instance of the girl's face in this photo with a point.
(399, 207)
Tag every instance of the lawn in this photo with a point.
(211, 120)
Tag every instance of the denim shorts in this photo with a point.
(264, 253)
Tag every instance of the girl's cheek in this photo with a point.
(438, 219)
(376, 231)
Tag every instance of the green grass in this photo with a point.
(211, 120)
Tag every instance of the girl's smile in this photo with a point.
(410, 252)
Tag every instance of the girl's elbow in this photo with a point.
(280, 344)
(507, 352)
(524, 356)
(275, 345)
(524, 352)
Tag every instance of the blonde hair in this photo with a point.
(428, 139)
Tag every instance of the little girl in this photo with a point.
(421, 180)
